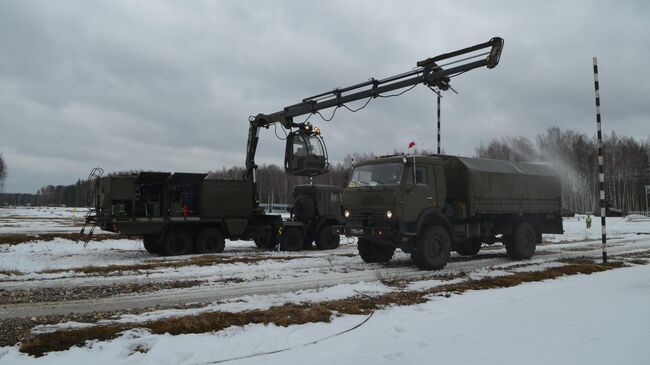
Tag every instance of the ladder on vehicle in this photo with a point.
(90, 220)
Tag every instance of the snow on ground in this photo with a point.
(32, 260)
(40, 219)
(239, 304)
(260, 302)
(37, 256)
(60, 253)
(601, 318)
(41, 212)
(575, 228)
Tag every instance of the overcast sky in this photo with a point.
(169, 85)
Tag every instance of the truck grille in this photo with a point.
(371, 218)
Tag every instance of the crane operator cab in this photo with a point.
(306, 154)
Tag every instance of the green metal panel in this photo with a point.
(186, 177)
(118, 187)
(152, 176)
(140, 228)
(226, 198)
(235, 226)
(329, 200)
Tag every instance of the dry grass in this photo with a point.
(638, 261)
(141, 348)
(9, 272)
(393, 280)
(481, 256)
(580, 249)
(638, 254)
(205, 322)
(39, 295)
(529, 276)
(199, 260)
(397, 281)
(298, 314)
(346, 254)
(59, 341)
(213, 321)
(18, 238)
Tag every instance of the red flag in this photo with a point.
(411, 144)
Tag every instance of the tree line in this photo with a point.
(3, 173)
(574, 156)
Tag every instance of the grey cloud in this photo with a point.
(170, 85)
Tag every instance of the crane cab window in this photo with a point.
(305, 155)
(316, 146)
(304, 146)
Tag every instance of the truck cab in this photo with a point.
(384, 200)
(318, 207)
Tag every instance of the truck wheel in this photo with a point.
(292, 239)
(150, 243)
(469, 247)
(176, 242)
(326, 240)
(211, 240)
(521, 245)
(432, 252)
(371, 252)
(266, 243)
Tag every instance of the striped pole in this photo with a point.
(438, 123)
(601, 173)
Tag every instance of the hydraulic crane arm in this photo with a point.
(427, 72)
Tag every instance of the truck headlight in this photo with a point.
(346, 213)
(389, 214)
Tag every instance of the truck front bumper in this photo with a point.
(365, 231)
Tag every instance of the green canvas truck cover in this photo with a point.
(482, 186)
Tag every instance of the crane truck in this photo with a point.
(183, 213)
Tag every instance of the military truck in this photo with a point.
(429, 206)
(184, 213)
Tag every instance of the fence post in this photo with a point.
(601, 174)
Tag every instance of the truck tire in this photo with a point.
(521, 245)
(210, 240)
(176, 242)
(150, 243)
(292, 239)
(372, 252)
(326, 240)
(433, 250)
(469, 247)
(266, 243)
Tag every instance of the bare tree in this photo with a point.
(3, 173)
(573, 155)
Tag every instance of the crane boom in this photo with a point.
(427, 72)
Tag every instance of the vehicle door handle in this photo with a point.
(429, 198)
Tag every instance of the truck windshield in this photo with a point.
(376, 175)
